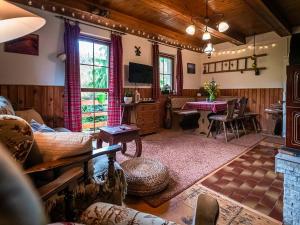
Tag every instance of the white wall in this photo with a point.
(46, 69)
(275, 62)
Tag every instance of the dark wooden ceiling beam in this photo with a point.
(230, 36)
(267, 11)
(127, 21)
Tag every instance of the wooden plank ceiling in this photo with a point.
(166, 20)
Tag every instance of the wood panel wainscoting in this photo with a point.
(258, 101)
(47, 100)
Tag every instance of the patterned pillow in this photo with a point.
(17, 136)
(37, 127)
(6, 107)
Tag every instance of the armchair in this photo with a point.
(29, 210)
(99, 177)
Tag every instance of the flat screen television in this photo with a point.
(139, 73)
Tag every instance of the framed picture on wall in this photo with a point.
(28, 45)
(225, 65)
(191, 68)
(233, 65)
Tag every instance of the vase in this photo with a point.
(128, 100)
(212, 97)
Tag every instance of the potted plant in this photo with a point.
(128, 97)
(166, 89)
(212, 90)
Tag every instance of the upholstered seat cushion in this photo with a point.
(58, 145)
(17, 136)
(145, 176)
(103, 213)
(222, 118)
(250, 114)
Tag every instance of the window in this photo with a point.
(94, 77)
(166, 68)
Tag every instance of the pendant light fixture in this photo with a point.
(209, 49)
(16, 22)
(221, 26)
(206, 35)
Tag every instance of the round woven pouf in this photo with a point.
(145, 176)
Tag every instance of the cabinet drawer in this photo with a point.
(147, 107)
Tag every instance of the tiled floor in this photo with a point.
(251, 180)
(180, 209)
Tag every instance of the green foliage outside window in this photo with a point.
(94, 63)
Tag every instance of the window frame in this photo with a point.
(172, 58)
(95, 40)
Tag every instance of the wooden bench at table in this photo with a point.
(180, 115)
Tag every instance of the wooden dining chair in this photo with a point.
(229, 118)
(241, 115)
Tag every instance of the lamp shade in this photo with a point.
(206, 36)
(223, 26)
(16, 22)
(209, 48)
(190, 29)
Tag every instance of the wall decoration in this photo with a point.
(137, 51)
(233, 65)
(191, 68)
(226, 65)
(242, 64)
(28, 45)
(218, 67)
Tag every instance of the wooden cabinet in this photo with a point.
(293, 107)
(293, 127)
(147, 117)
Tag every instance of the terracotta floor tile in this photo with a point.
(237, 197)
(268, 201)
(237, 171)
(251, 201)
(251, 180)
(263, 209)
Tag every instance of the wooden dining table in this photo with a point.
(205, 108)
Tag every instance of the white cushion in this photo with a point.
(58, 145)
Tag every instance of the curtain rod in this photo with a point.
(90, 24)
(162, 43)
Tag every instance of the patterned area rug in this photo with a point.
(231, 212)
(188, 157)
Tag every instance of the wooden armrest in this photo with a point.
(46, 166)
(60, 183)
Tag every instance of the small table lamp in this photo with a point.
(16, 22)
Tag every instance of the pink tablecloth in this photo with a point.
(215, 107)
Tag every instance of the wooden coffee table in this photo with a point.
(121, 134)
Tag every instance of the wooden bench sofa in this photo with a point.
(181, 118)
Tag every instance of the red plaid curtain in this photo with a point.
(179, 73)
(72, 93)
(115, 80)
(155, 63)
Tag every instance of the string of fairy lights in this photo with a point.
(106, 22)
(250, 48)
